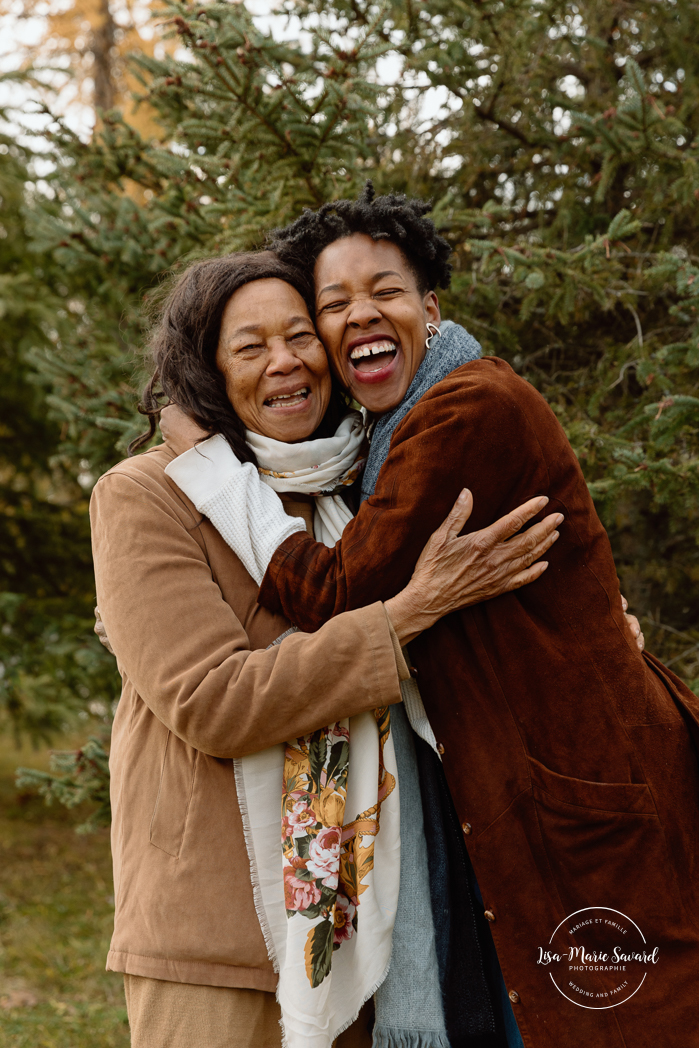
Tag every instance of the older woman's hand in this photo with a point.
(454, 571)
(179, 430)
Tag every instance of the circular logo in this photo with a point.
(598, 958)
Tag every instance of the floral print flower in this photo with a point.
(345, 910)
(298, 818)
(298, 894)
(338, 732)
(329, 807)
(324, 856)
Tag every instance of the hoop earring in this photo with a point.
(433, 330)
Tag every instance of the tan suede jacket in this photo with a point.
(200, 688)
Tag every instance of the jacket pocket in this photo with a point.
(174, 795)
(623, 797)
(605, 845)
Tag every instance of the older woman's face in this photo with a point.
(276, 370)
(372, 318)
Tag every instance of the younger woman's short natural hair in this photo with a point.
(391, 217)
(185, 338)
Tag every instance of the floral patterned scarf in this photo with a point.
(326, 898)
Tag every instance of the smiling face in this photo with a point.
(372, 318)
(276, 370)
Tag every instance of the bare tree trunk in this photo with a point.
(103, 39)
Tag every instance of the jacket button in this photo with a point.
(514, 996)
(413, 671)
(440, 748)
(466, 827)
(489, 915)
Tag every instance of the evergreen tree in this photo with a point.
(563, 165)
(576, 189)
(51, 669)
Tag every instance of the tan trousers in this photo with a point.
(179, 1015)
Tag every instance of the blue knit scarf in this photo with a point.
(409, 1005)
(450, 349)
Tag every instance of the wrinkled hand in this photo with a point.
(454, 571)
(634, 625)
(180, 430)
(101, 632)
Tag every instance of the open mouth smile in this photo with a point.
(370, 357)
(288, 400)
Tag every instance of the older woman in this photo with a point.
(570, 756)
(215, 687)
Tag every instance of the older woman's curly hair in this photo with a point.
(392, 217)
(185, 338)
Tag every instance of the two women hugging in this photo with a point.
(293, 815)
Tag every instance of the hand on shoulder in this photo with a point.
(179, 429)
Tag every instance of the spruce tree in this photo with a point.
(574, 213)
(51, 669)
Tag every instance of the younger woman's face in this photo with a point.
(276, 371)
(372, 318)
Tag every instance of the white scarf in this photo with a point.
(367, 861)
(316, 467)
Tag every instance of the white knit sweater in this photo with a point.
(231, 495)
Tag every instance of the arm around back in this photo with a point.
(474, 429)
(184, 649)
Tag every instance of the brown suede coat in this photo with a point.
(569, 755)
(199, 689)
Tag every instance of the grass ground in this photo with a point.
(56, 911)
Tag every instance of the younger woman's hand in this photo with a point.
(179, 430)
(101, 632)
(634, 625)
(454, 571)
